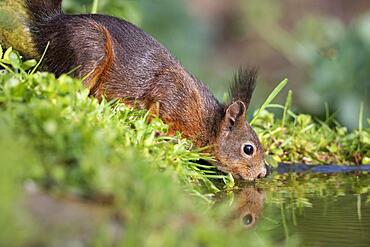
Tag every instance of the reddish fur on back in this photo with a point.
(101, 72)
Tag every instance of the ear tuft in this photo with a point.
(243, 85)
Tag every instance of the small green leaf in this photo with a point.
(5, 58)
(304, 120)
(1, 52)
(271, 161)
(15, 60)
(366, 160)
(29, 64)
(11, 57)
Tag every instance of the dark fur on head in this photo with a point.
(243, 85)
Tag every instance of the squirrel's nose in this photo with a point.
(266, 170)
(263, 173)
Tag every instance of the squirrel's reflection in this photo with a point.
(247, 206)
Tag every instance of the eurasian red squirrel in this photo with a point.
(120, 61)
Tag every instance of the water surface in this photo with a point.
(309, 209)
(287, 209)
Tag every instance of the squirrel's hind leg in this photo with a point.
(100, 72)
(81, 45)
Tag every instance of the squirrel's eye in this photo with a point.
(248, 149)
(247, 219)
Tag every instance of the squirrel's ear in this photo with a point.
(243, 85)
(235, 113)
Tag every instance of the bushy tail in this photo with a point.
(17, 18)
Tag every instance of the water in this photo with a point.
(285, 209)
(308, 210)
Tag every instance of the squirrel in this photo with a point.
(118, 60)
(247, 205)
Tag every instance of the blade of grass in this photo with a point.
(7, 68)
(277, 106)
(42, 58)
(288, 103)
(73, 70)
(94, 9)
(361, 117)
(327, 112)
(270, 98)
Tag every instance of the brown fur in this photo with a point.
(122, 62)
(101, 71)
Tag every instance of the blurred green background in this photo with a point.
(321, 46)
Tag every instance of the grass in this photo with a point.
(56, 136)
(303, 139)
(73, 131)
(64, 124)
